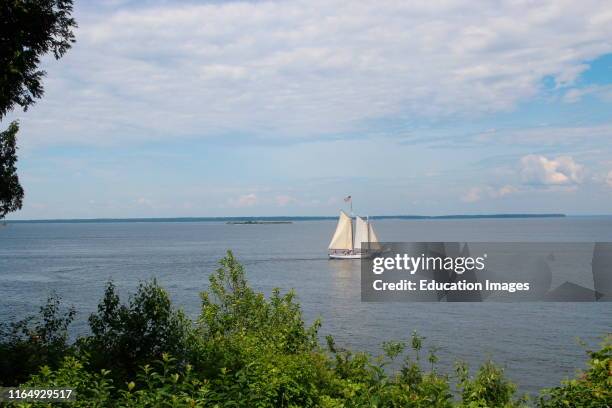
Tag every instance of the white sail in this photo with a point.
(361, 233)
(373, 239)
(371, 234)
(343, 237)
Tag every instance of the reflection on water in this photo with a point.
(345, 275)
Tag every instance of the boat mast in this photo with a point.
(368, 228)
(352, 215)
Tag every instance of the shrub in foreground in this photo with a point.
(592, 388)
(127, 336)
(36, 341)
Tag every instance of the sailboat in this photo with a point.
(348, 245)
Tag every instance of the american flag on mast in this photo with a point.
(349, 199)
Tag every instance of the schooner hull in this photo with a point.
(348, 256)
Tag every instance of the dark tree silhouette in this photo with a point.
(29, 29)
(11, 193)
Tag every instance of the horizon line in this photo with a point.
(290, 217)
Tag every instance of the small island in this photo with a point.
(252, 222)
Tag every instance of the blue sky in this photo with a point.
(283, 108)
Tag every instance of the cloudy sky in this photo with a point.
(167, 108)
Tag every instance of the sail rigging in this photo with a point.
(372, 238)
(343, 237)
(361, 233)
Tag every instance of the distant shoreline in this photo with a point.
(269, 219)
(257, 222)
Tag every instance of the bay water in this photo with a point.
(536, 343)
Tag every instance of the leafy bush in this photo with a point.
(488, 389)
(33, 342)
(592, 389)
(93, 389)
(246, 350)
(127, 336)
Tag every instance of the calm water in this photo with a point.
(536, 342)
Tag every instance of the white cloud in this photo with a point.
(144, 202)
(562, 170)
(507, 190)
(247, 200)
(575, 95)
(284, 200)
(333, 201)
(472, 195)
(475, 194)
(305, 68)
(554, 136)
(609, 178)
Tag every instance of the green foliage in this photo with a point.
(592, 388)
(488, 389)
(126, 336)
(30, 29)
(256, 351)
(93, 389)
(11, 192)
(33, 342)
(417, 343)
(247, 350)
(232, 308)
